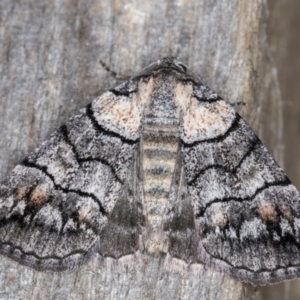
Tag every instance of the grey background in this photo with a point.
(49, 67)
(284, 39)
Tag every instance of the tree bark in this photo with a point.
(50, 53)
(284, 41)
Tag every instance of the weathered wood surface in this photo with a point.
(284, 41)
(49, 67)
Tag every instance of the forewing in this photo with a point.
(247, 213)
(55, 206)
(121, 234)
(180, 222)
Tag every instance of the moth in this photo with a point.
(161, 165)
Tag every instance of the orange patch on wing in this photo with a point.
(38, 196)
(267, 211)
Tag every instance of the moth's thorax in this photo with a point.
(160, 143)
(163, 108)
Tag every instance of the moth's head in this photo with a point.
(169, 63)
(164, 63)
(172, 63)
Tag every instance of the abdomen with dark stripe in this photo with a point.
(160, 145)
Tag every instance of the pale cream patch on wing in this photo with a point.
(145, 92)
(183, 94)
(267, 210)
(85, 213)
(104, 100)
(206, 120)
(201, 120)
(219, 219)
(121, 112)
(124, 114)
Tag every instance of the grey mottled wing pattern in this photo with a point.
(214, 194)
(121, 234)
(247, 212)
(55, 206)
(180, 221)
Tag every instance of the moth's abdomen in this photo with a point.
(160, 152)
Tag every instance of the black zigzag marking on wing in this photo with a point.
(120, 93)
(30, 253)
(90, 114)
(65, 132)
(28, 164)
(234, 125)
(267, 185)
(228, 170)
(250, 270)
(206, 100)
